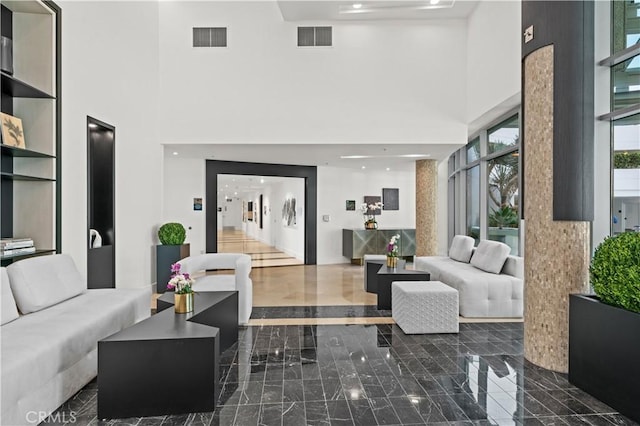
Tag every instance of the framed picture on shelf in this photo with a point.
(12, 133)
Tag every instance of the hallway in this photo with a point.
(262, 255)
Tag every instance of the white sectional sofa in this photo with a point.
(490, 282)
(49, 350)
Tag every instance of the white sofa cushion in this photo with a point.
(461, 248)
(37, 347)
(44, 281)
(490, 256)
(9, 310)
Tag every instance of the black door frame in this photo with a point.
(308, 173)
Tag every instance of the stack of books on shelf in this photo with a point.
(16, 246)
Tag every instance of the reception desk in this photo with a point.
(358, 242)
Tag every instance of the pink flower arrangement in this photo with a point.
(181, 283)
(392, 247)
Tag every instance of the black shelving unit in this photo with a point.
(31, 177)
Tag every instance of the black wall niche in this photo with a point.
(569, 27)
(308, 173)
(101, 267)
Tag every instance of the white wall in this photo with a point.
(493, 56)
(380, 82)
(110, 72)
(184, 180)
(336, 185)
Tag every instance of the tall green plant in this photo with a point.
(506, 216)
(615, 271)
(172, 234)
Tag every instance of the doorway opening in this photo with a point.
(262, 216)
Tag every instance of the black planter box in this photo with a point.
(165, 257)
(604, 353)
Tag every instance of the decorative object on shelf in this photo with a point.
(6, 51)
(393, 251)
(182, 285)
(12, 133)
(172, 234)
(95, 240)
(351, 205)
(391, 198)
(16, 246)
(370, 210)
(197, 204)
(289, 212)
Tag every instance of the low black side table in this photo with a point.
(371, 272)
(386, 276)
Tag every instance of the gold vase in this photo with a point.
(183, 303)
(392, 262)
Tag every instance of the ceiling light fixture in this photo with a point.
(388, 168)
(261, 180)
(364, 167)
(175, 153)
(359, 157)
(434, 2)
(358, 5)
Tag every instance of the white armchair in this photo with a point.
(239, 282)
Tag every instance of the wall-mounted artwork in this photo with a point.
(250, 211)
(289, 212)
(351, 205)
(260, 218)
(244, 211)
(197, 204)
(370, 200)
(12, 133)
(391, 199)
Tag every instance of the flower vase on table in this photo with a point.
(392, 252)
(181, 283)
(370, 211)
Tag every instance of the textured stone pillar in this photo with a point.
(556, 252)
(426, 207)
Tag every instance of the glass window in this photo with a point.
(626, 31)
(626, 174)
(473, 202)
(504, 135)
(502, 200)
(451, 231)
(473, 150)
(626, 83)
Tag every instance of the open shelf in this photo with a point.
(13, 176)
(38, 252)
(19, 89)
(12, 151)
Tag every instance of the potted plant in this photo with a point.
(392, 251)
(182, 286)
(370, 211)
(604, 329)
(171, 250)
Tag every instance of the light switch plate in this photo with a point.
(326, 218)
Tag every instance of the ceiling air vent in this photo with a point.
(314, 36)
(210, 37)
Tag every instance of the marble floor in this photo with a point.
(376, 375)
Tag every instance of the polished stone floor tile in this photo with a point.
(376, 375)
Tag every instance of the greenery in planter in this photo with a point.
(615, 271)
(626, 160)
(504, 217)
(172, 234)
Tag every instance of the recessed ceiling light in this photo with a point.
(358, 5)
(363, 167)
(354, 156)
(388, 168)
(235, 193)
(434, 1)
(175, 153)
(261, 180)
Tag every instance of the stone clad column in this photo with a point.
(556, 252)
(426, 207)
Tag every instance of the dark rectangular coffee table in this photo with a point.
(371, 272)
(386, 276)
(213, 308)
(168, 363)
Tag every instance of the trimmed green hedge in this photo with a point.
(615, 271)
(626, 160)
(172, 234)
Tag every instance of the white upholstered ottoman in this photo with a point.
(420, 307)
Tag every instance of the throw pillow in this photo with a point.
(461, 248)
(40, 282)
(9, 310)
(490, 256)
